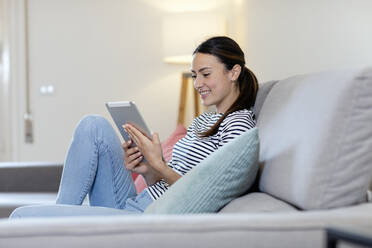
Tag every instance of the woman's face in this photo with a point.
(214, 82)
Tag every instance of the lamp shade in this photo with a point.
(182, 32)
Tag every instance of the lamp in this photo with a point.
(182, 32)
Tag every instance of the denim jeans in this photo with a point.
(94, 166)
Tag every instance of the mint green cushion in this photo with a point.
(223, 176)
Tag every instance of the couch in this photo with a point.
(315, 172)
(27, 183)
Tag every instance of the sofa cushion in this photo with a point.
(224, 175)
(257, 202)
(292, 229)
(263, 91)
(34, 176)
(140, 184)
(167, 145)
(316, 139)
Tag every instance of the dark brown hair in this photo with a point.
(229, 53)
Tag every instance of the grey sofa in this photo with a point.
(315, 172)
(27, 183)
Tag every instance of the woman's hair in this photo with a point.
(229, 53)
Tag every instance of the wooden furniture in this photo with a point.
(186, 80)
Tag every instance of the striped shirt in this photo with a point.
(189, 151)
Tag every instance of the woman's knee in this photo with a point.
(20, 213)
(92, 123)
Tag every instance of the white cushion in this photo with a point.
(316, 139)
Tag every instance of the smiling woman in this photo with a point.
(224, 81)
(98, 165)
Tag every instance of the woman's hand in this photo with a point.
(151, 150)
(132, 158)
(133, 162)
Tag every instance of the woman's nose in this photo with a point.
(198, 83)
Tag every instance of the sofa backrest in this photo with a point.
(316, 138)
(30, 176)
(262, 93)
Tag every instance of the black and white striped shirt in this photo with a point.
(192, 149)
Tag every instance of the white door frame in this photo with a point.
(13, 77)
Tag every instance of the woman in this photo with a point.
(94, 162)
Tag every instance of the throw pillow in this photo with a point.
(167, 145)
(223, 176)
(140, 183)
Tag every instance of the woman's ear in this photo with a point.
(236, 70)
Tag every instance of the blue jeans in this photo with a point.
(94, 166)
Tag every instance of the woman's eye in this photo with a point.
(206, 75)
(193, 77)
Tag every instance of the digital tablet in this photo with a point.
(127, 112)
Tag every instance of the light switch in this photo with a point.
(47, 89)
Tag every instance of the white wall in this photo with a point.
(4, 99)
(289, 37)
(94, 51)
(2, 85)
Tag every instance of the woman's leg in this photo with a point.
(94, 165)
(134, 205)
(59, 210)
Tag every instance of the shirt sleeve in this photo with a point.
(235, 124)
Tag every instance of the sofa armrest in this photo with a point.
(295, 229)
(30, 176)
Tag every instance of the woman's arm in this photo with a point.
(151, 150)
(167, 173)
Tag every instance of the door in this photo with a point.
(4, 98)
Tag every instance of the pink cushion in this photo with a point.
(134, 176)
(167, 147)
(140, 183)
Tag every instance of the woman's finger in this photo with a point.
(134, 156)
(132, 150)
(132, 134)
(134, 131)
(134, 163)
(156, 138)
(126, 144)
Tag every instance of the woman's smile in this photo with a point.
(204, 93)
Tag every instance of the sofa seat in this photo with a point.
(285, 229)
(257, 203)
(28, 183)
